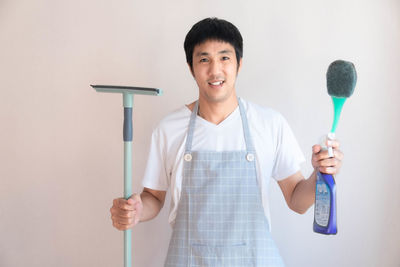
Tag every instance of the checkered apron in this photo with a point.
(220, 219)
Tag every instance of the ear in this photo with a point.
(190, 69)
(240, 65)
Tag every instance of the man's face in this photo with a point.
(215, 69)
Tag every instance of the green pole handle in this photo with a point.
(127, 194)
(127, 134)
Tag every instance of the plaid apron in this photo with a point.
(220, 219)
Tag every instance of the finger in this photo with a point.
(121, 227)
(328, 170)
(126, 220)
(115, 210)
(338, 154)
(323, 154)
(124, 214)
(117, 226)
(123, 204)
(316, 149)
(123, 221)
(331, 162)
(314, 160)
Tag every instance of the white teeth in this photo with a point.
(216, 83)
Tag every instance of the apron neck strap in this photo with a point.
(192, 123)
(246, 130)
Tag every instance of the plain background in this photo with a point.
(61, 148)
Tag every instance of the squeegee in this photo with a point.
(127, 92)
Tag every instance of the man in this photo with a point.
(217, 156)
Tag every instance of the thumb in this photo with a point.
(130, 201)
(138, 207)
(135, 198)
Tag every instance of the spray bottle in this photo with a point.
(341, 79)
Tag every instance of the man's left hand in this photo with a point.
(323, 162)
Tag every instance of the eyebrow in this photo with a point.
(199, 54)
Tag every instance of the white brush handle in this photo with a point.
(329, 136)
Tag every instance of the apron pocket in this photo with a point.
(228, 255)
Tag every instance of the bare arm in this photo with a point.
(153, 201)
(299, 193)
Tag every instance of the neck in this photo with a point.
(216, 112)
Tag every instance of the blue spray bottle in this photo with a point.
(341, 79)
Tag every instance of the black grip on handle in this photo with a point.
(128, 124)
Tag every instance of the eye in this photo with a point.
(204, 60)
(225, 58)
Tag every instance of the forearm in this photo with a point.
(300, 193)
(151, 206)
(303, 196)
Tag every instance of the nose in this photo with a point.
(215, 68)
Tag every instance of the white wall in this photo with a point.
(61, 150)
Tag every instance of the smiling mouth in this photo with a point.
(216, 83)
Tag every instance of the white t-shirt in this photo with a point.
(278, 154)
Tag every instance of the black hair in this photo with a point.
(213, 29)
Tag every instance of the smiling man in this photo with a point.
(215, 68)
(217, 155)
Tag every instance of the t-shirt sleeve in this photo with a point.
(288, 154)
(155, 176)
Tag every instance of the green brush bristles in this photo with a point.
(341, 78)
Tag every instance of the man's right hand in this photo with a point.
(126, 213)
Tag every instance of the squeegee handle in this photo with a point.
(128, 103)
